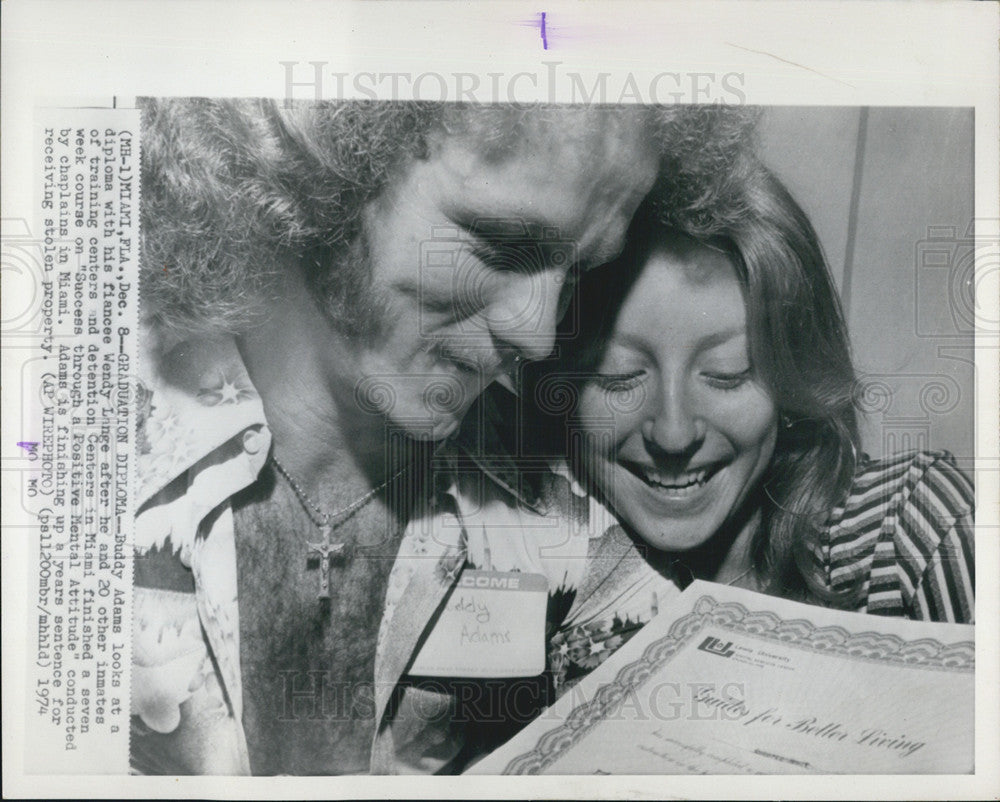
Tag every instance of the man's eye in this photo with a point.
(728, 381)
(619, 382)
(518, 257)
(499, 257)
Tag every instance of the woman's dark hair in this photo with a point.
(799, 347)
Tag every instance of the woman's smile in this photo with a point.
(671, 485)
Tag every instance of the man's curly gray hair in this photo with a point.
(232, 190)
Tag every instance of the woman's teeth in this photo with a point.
(679, 481)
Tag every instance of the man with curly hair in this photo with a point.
(326, 291)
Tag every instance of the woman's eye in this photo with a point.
(728, 381)
(620, 382)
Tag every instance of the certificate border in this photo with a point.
(868, 646)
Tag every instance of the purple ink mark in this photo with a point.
(545, 38)
(28, 446)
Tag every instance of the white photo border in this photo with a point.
(859, 53)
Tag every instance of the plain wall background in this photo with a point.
(890, 192)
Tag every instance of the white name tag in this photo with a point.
(491, 626)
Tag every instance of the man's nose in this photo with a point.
(525, 312)
(673, 425)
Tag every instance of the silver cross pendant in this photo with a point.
(324, 551)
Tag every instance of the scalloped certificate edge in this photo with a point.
(923, 653)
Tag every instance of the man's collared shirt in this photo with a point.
(203, 438)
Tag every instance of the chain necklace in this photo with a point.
(676, 564)
(737, 579)
(327, 522)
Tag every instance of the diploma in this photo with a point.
(727, 681)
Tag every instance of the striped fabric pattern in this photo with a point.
(904, 538)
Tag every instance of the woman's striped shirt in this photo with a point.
(904, 539)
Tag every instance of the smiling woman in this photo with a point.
(713, 413)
